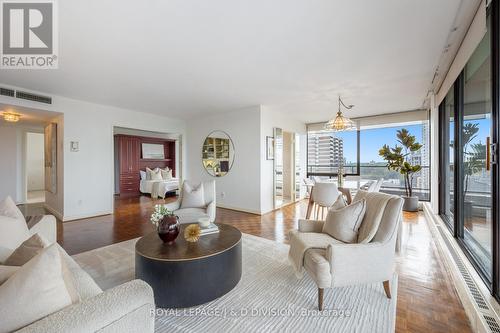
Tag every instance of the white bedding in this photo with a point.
(146, 186)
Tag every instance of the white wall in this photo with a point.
(35, 161)
(269, 119)
(88, 174)
(249, 184)
(13, 166)
(242, 184)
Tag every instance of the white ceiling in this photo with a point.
(183, 58)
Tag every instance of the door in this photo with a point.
(278, 167)
(476, 128)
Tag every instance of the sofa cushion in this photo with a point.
(27, 250)
(318, 266)
(37, 289)
(343, 224)
(6, 272)
(12, 233)
(192, 196)
(8, 208)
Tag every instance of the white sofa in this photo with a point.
(126, 308)
(192, 214)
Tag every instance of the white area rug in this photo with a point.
(269, 298)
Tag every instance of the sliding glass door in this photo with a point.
(466, 187)
(476, 163)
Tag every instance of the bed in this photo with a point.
(159, 188)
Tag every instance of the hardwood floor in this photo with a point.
(427, 300)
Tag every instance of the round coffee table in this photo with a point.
(186, 274)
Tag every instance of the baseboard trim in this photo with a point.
(85, 216)
(478, 304)
(251, 211)
(54, 212)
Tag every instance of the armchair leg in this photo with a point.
(387, 289)
(320, 298)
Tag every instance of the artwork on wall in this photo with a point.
(50, 134)
(269, 148)
(153, 151)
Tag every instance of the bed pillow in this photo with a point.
(8, 208)
(166, 174)
(143, 175)
(13, 232)
(154, 174)
(343, 224)
(27, 250)
(36, 290)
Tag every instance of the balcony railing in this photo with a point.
(393, 181)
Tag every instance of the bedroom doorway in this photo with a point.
(137, 155)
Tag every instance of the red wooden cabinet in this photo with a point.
(130, 160)
(129, 155)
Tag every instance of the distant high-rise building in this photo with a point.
(325, 152)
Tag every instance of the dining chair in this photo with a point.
(323, 196)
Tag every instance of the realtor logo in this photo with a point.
(29, 34)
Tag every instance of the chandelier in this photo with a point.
(340, 122)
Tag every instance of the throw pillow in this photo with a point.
(12, 233)
(361, 194)
(154, 174)
(8, 208)
(339, 203)
(6, 272)
(36, 290)
(192, 196)
(143, 175)
(343, 224)
(27, 250)
(166, 174)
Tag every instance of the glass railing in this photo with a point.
(393, 181)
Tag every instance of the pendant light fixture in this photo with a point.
(340, 122)
(11, 117)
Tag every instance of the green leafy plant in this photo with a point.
(398, 157)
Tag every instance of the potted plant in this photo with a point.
(398, 159)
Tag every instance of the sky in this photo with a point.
(372, 140)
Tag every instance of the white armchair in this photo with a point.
(341, 264)
(191, 214)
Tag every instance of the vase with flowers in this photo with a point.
(166, 222)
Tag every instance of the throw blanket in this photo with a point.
(300, 242)
(156, 191)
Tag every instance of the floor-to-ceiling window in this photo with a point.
(359, 151)
(466, 138)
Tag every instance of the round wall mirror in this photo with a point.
(218, 153)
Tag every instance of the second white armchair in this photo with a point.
(196, 200)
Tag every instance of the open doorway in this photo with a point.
(286, 168)
(35, 174)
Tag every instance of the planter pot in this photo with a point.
(168, 229)
(410, 204)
